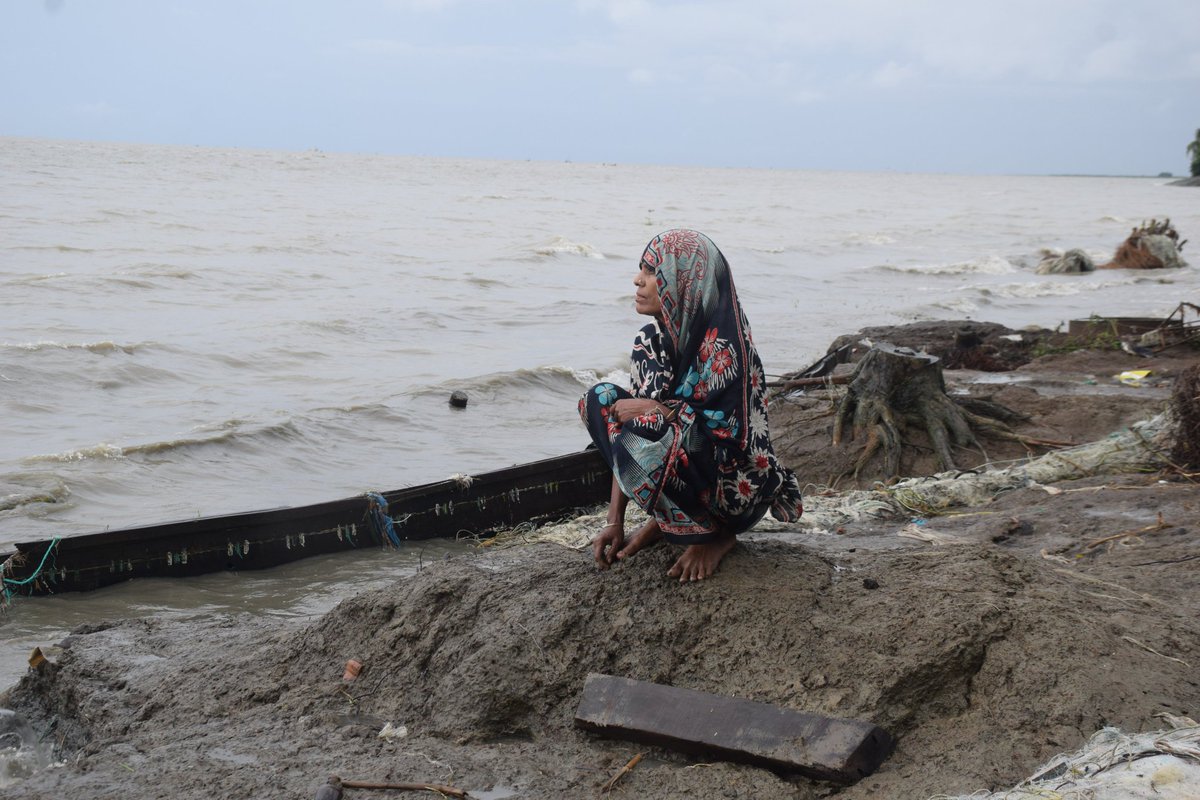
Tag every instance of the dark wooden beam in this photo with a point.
(709, 725)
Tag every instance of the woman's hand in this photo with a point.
(606, 545)
(625, 410)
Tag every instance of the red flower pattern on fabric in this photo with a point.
(721, 361)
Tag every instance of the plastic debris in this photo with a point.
(1133, 377)
(1112, 765)
(391, 732)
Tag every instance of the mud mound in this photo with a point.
(483, 660)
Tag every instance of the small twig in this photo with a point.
(437, 788)
(1150, 649)
(1146, 598)
(625, 770)
(1166, 561)
(1158, 526)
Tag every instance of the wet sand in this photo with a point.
(1014, 636)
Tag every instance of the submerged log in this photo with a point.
(894, 389)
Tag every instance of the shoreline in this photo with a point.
(986, 640)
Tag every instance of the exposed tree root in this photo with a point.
(894, 389)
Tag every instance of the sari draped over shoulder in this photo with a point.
(707, 467)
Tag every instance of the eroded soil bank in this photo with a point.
(1014, 637)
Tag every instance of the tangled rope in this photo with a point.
(382, 525)
(6, 567)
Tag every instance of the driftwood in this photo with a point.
(894, 389)
(436, 788)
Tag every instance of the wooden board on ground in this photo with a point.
(698, 723)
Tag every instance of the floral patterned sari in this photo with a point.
(706, 468)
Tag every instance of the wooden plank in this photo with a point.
(261, 539)
(709, 725)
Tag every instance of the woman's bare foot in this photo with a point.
(646, 535)
(700, 561)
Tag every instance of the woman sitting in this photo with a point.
(690, 444)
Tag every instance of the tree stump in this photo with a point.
(896, 388)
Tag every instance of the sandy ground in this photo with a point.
(1015, 638)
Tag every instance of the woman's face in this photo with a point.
(645, 298)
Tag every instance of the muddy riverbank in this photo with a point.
(1002, 635)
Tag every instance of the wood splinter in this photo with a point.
(437, 788)
(625, 770)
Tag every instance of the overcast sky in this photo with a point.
(972, 86)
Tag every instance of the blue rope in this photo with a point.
(8, 593)
(384, 527)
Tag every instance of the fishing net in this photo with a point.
(1138, 448)
(575, 533)
(1112, 765)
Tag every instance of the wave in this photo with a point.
(152, 269)
(859, 239)
(29, 280)
(555, 378)
(1035, 289)
(958, 305)
(54, 248)
(230, 431)
(99, 348)
(988, 265)
(53, 492)
(563, 246)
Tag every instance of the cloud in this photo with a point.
(420, 5)
(947, 41)
(98, 108)
(892, 74)
(1110, 60)
(642, 76)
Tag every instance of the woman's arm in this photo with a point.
(612, 535)
(625, 410)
